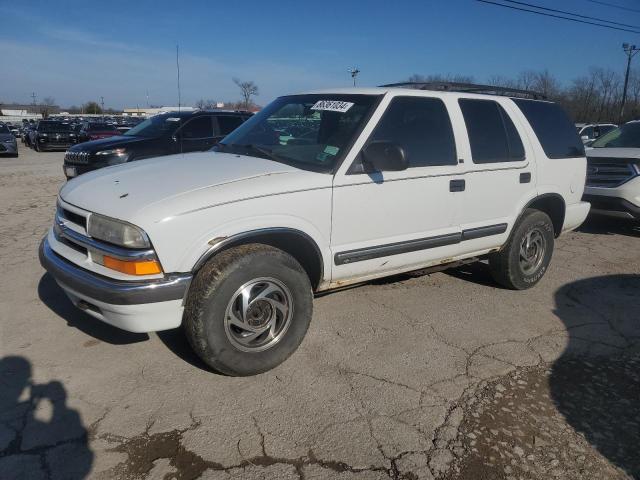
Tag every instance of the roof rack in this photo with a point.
(469, 88)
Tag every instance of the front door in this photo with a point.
(393, 221)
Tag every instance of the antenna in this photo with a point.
(178, 69)
(354, 73)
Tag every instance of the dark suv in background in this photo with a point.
(96, 130)
(51, 135)
(165, 134)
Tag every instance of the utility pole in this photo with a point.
(354, 73)
(630, 51)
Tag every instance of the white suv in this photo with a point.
(613, 173)
(316, 192)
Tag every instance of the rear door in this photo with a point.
(225, 124)
(196, 135)
(501, 172)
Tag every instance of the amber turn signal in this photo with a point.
(135, 267)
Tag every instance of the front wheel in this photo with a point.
(524, 259)
(248, 309)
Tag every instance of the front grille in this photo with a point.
(80, 158)
(610, 172)
(75, 218)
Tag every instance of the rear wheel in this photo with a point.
(248, 309)
(524, 260)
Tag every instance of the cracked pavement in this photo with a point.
(403, 378)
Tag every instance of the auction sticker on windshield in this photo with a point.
(332, 106)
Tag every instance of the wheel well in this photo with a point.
(294, 242)
(554, 206)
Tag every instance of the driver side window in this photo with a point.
(421, 126)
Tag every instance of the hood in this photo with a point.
(113, 141)
(613, 152)
(148, 191)
(6, 136)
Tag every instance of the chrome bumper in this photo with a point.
(108, 290)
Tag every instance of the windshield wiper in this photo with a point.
(263, 151)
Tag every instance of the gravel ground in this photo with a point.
(414, 377)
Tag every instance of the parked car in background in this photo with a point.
(26, 133)
(95, 131)
(8, 142)
(316, 191)
(613, 173)
(160, 135)
(52, 135)
(592, 131)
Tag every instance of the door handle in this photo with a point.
(456, 186)
(525, 177)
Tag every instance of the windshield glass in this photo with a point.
(53, 127)
(157, 126)
(625, 136)
(307, 131)
(105, 127)
(4, 128)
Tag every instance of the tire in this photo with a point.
(210, 309)
(517, 267)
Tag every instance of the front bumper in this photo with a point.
(135, 306)
(622, 201)
(8, 148)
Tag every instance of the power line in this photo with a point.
(558, 16)
(614, 6)
(570, 13)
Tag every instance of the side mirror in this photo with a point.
(384, 157)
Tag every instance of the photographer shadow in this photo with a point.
(595, 384)
(40, 436)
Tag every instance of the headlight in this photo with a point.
(116, 232)
(115, 151)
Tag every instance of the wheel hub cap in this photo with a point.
(258, 314)
(532, 251)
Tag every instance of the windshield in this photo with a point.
(625, 136)
(105, 127)
(307, 131)
(4, 129)
(53, 127)
(157, 126)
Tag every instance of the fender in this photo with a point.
(557, 222)
(222, 243)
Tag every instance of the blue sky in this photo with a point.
(79, 51)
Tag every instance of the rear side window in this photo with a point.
(228, 123)
(421, 126)
(552, 126)
(199, 127)
(492, 134)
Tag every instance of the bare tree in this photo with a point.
(437, 77)
(248, 89)
(208, 104)
(45, 106)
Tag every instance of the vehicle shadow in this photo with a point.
(610, 226)
(33, 448)
(176, 341)
(57, 301)
(595, 384)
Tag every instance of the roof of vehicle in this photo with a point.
(441, 88)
